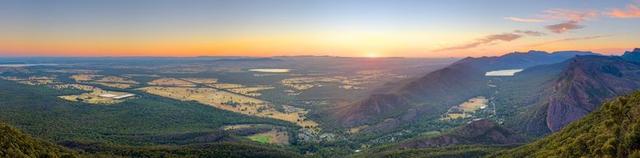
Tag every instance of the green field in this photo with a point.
(260, 138)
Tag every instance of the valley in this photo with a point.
(464, 105)
(319, 79)
(262, 95)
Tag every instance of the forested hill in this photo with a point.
(14, 143)
(611, 131)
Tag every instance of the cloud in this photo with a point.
(570, 15)
(530, 33)
(564, 27)
(559, 14)
(569, 39)
(482, 41)
(571, 18)
(633, 11)
(524, 20)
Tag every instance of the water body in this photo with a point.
(503, 73)
(271, 70)
(25, 65)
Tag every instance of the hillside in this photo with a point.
(548, 97)
(477, 132)
(632, 55)
(432, 94)
(586, 83)
(611, 131)
(539, 100)
(14, 143)
(475, 138)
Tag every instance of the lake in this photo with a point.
(503, 73)
(271, 70)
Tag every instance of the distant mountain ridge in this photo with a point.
(632, 55)
(434, 93)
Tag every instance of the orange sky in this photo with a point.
(338, 28)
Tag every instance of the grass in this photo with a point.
(260, 138)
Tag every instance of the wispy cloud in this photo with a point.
(482, 41)
(530, 33)
(558, 14)
(524, 20)
(571, 19)
(493, 39)
(568, 39)
(570, 15)
(564, 27)
(633, 11)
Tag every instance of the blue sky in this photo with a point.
(295, 27)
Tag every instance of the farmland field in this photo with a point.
(181, 101)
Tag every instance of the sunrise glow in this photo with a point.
(372, 55)
(343, 28)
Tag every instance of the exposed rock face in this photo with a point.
(611, 131)
(476, 132)
(586, 83)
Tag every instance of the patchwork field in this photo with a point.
(467, 108)
(231, 102)
(474, 104)
(202, 80)
(349, 82)
(115, 85)
(33, 80)
(253, 91)
(84, 77)
(171, 82)
(250, 91)
(109, 81)
(225, 85)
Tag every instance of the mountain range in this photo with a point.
(547, 81)
(567, 103)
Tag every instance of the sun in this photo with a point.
(372, 55)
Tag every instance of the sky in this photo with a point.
(354, 28)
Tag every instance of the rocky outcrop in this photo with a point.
(585, 84)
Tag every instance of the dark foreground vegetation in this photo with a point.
(611, 131)
(16, 144)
